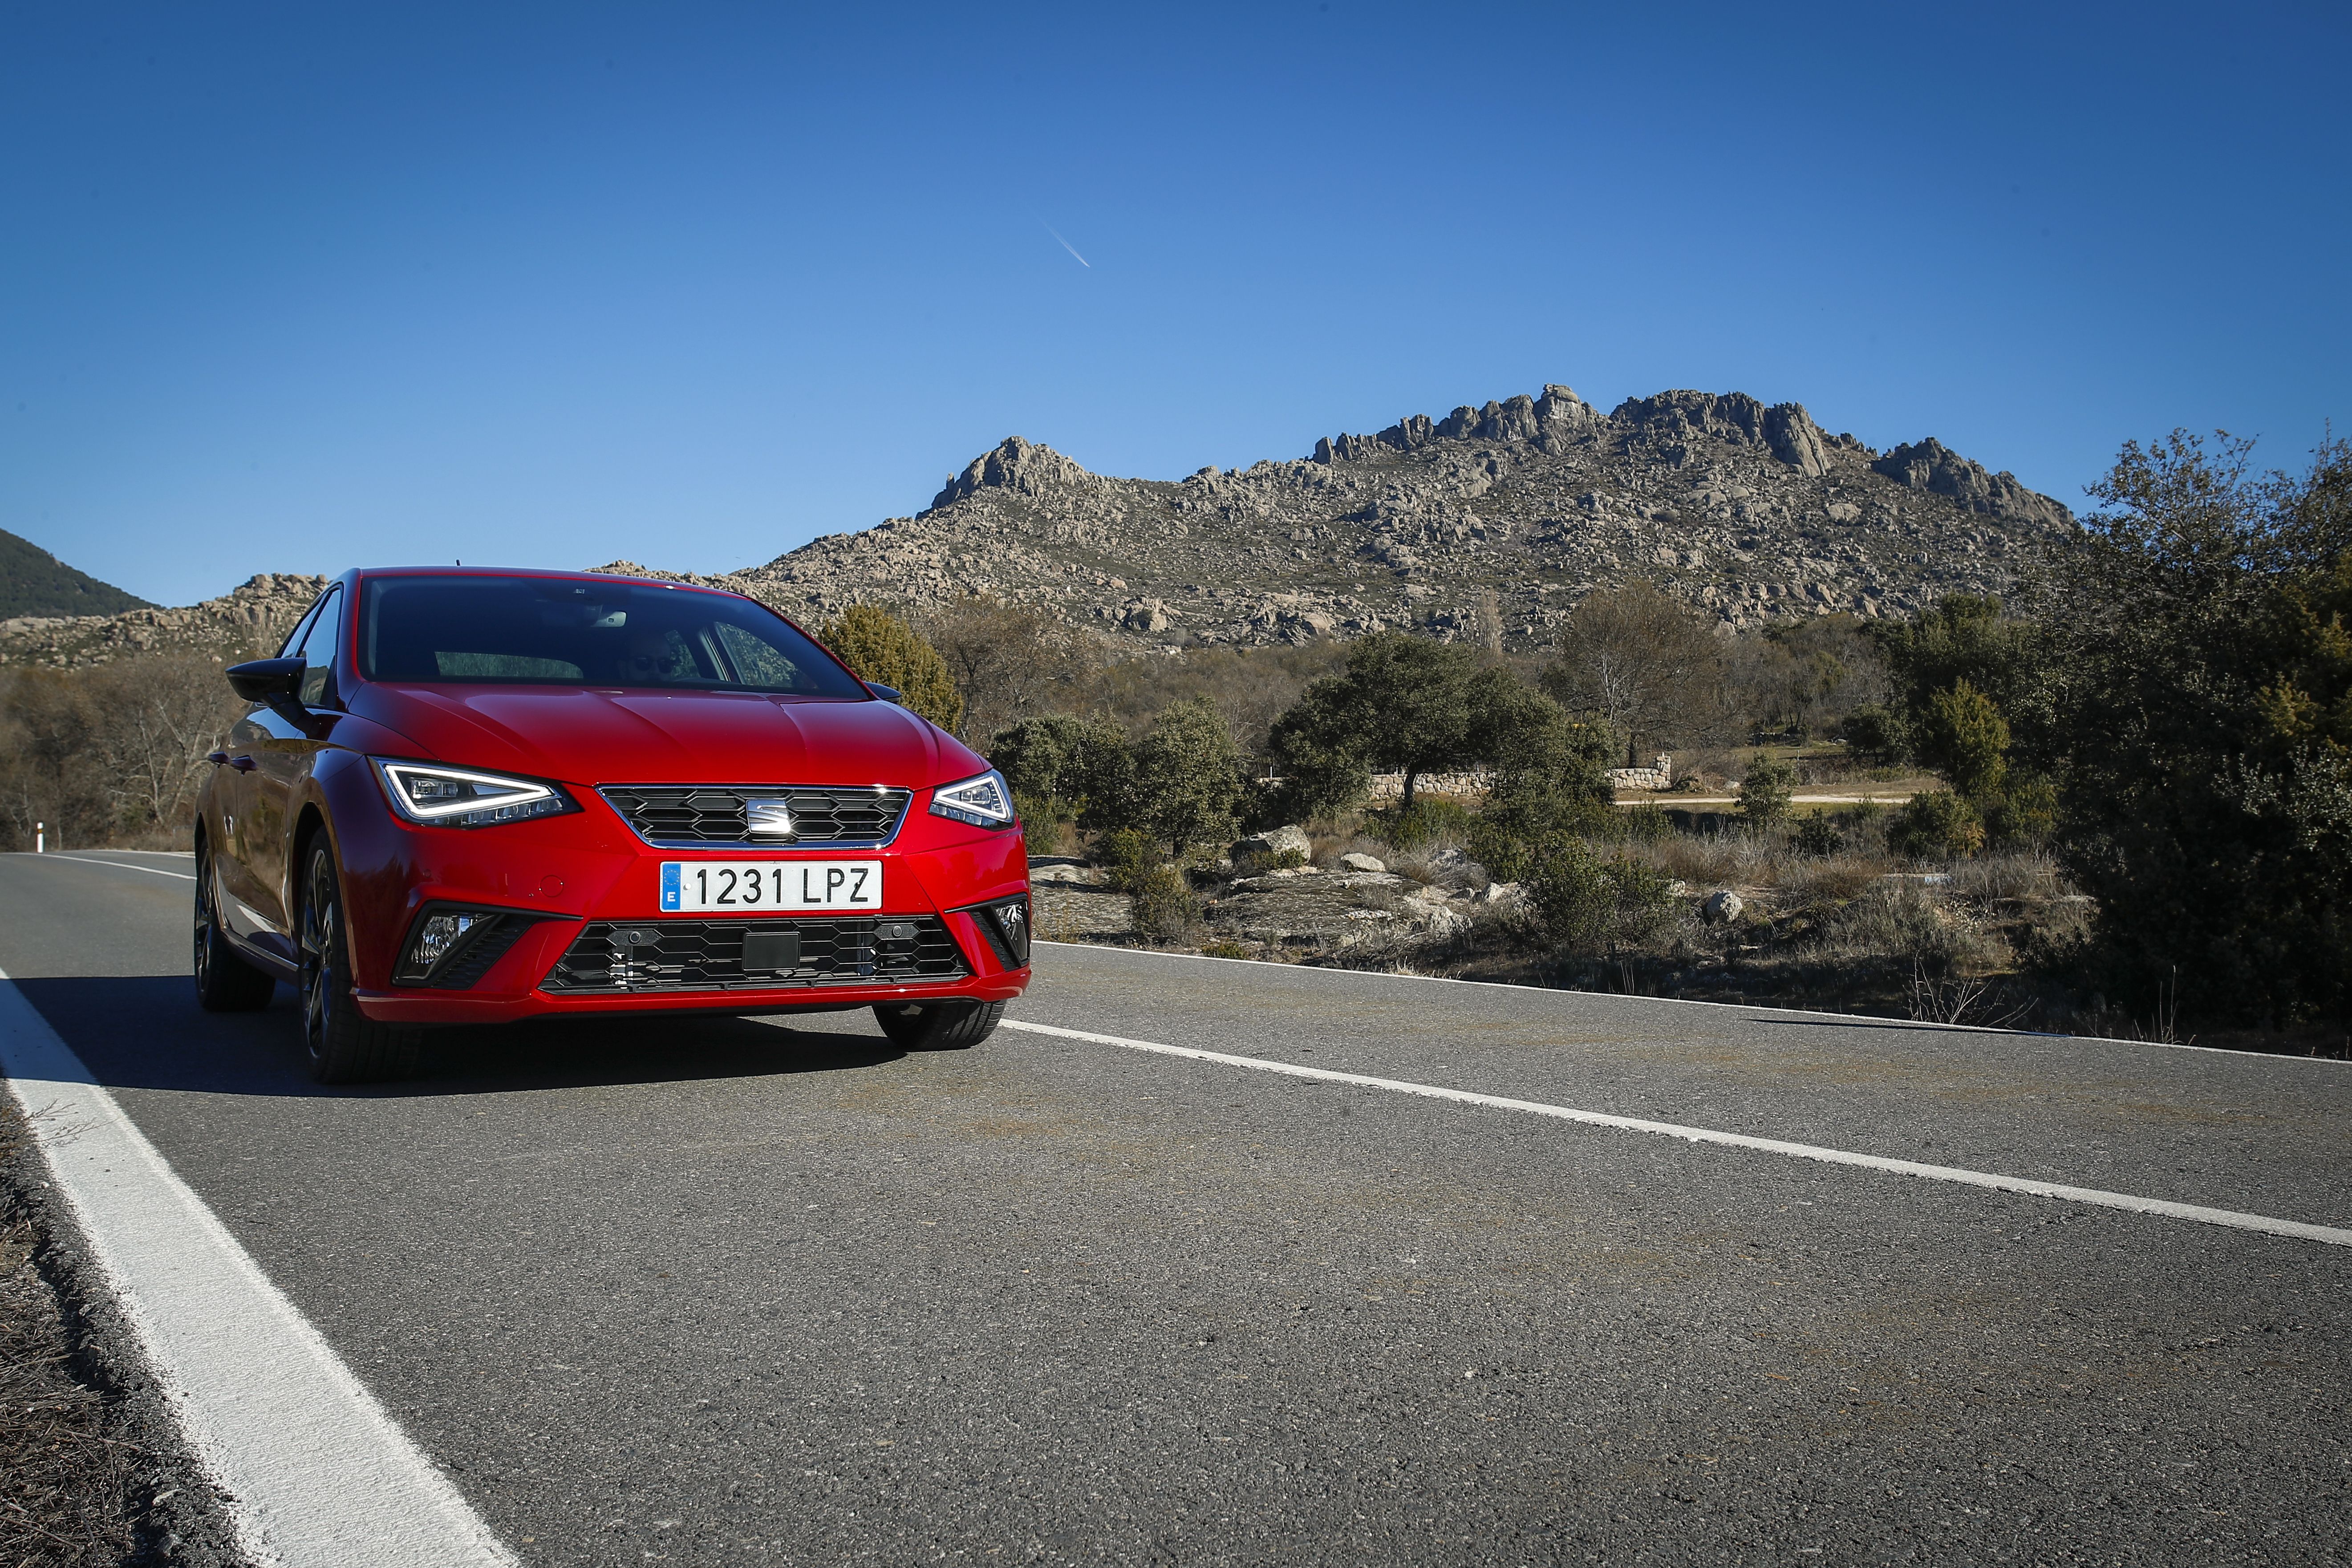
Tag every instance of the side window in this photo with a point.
(318, 651)
(293, 643)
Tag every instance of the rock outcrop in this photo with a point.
(1488, 524)
(249, 620)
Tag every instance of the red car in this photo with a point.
(467, 796)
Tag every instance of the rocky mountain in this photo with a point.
(1490, 523)
(249, 619)
(34, 583)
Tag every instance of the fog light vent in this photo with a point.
(1005, 924)
(451, 947)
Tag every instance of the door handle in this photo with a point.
(242, 764)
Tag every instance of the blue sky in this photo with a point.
(298, 287)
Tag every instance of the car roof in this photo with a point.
(543, 574)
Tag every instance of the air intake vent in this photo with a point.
(709, 955)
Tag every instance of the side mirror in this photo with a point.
(887, 693)
(266, 680)
(275, 681)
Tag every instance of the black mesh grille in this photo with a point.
(667, 815)
(462, 970)
(707, 955)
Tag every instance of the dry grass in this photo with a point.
(66, 1484)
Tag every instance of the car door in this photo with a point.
(281, 753)
(246, 905)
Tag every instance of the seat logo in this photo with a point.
(769, 818)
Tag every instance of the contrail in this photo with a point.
(1068, 246)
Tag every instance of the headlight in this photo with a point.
(460, 798)
(984, 802)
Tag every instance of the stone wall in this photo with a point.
(1659, 774)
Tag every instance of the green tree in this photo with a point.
(1078, 768)
(1764, 791)
(2011, 661)
(885, 649)
(2205, 784)
(1403, 703)
(1550, 780)
(1937, 825)
(1187, 777)
(1965, 740)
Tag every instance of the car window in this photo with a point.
(318, 650)
(553, 631)
(301, 627)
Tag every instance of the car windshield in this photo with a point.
(553, 631)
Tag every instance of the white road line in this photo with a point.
(320, 1474)
(2296, 1229)
(118, 865)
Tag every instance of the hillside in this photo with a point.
(251, 619)
(1509, 513)
(1490, 524)
(34, 583)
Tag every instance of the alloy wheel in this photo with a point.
(318, 952)
(203, 923)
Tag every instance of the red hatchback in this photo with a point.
(474, 796)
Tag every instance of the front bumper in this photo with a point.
(572, 883)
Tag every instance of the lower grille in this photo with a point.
(707, 955)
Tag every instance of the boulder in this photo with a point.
(1721, 908)
(1273, 843)
(1361, 862)
(1502, 893)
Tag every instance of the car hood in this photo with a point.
(603, 737)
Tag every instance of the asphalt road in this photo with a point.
(729, 1291)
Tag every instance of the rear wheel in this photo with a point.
(938, 1026)
(226, 983)
(346, 1047)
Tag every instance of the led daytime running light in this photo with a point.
(984, 802)
(460, 798)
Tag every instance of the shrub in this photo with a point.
(1590, 905)
(1165, 909)
(1082, 762)
(1764, 792)
(1936, 826)
(1818, 836)
(1646, 823)
(1127, 855)
(881, 647)
(1187, 777)
(1422, 822)
(1965, 740)
(1876, 734)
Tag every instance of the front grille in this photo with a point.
(707, 955)
(680, 817)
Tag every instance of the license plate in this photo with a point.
(689, 886)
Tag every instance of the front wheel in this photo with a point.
(226, 983)
(346, 1046)
(938, 1026)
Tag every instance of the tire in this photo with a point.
(938, 1026)
(226, 983)
(345, 1046)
